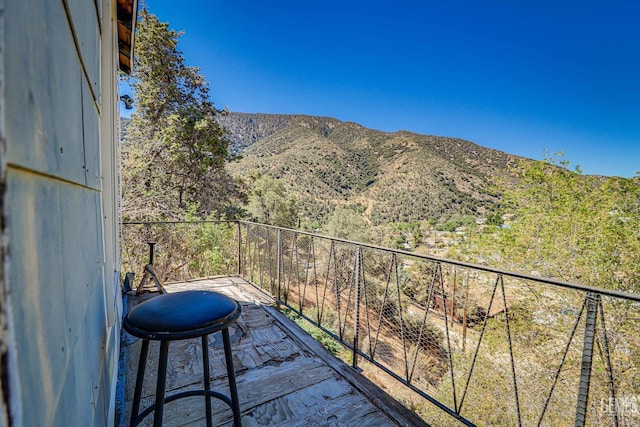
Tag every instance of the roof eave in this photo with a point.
(127, 17)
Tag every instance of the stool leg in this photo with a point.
(160, 386)
(142, 363)
(207, 377)
(235, 405)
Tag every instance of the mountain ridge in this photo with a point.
(397, 176)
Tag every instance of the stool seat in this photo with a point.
(181, 315)
(178, 316)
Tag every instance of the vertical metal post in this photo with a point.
(612, 388)
(151, 246)
(239, 250)
(356, 319)
(231, 375)
(453, 297)
(335, 285)
(464, 313)
(587, 358)
(279, 266)
(207, 378)
(161, 384)
(142, 364)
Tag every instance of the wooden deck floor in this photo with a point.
(285, 378)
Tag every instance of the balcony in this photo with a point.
(455, 343)
(284, 376)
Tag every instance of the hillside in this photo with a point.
(394, 176)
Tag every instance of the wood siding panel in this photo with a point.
(58, 297)
(62, 356)
(91, 134)
(84, 20)
(44, 119)
(43, 349)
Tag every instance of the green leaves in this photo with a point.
(347, 223)
(570, 226)
(175, 150)
(269, 202)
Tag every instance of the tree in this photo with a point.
(269, 202)
(346, 223)
(175, 150)
(578, 228)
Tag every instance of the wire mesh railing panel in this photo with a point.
(259, 252)
(478, 346)
(484, 346)
(617, 367)
(182, 250)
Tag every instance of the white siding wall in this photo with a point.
(60, 252)
(110, 163)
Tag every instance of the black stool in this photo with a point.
(179, 316)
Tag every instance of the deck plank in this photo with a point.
(282, 379)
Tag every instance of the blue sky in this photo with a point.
(518, 76)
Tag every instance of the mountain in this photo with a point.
(392, 176)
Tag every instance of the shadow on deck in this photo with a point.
(285, 377)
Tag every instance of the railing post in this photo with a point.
(587, 358)
(239, 249)
(279, 267)
(356, 319)
(605, 342)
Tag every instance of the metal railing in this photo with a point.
(484, 346)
